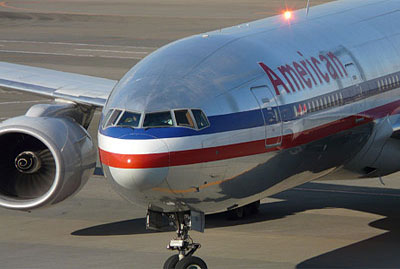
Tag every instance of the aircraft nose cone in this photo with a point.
(140, 165)
(139, 180)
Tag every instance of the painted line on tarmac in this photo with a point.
(5, 4)
(120, 57)
(22, 102)
(69, 54)
(75, 44)
(45, 53)
(348, 192)
(113, 51)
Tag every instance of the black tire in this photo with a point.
(253, 207)
(237, 213)
(171, 262)
(191, 262)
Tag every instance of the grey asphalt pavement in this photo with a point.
(344, 223)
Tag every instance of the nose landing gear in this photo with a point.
(183, 243)
(185, 246)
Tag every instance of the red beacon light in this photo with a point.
(287, 15)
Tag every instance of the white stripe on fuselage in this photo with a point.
(147, 146)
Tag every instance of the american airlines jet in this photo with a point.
(217, 121)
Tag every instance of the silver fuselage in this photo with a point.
(288, 101)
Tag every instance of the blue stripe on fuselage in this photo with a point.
(218, 124)
(252, 118)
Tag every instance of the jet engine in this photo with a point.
(44, 159)
(380, 155)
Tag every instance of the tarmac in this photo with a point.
(343, 223)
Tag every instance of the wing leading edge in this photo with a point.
(56, 84)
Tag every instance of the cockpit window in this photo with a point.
(190, 118)
(183, 118)
(159, 119)
(111, 117)
(129, 119)
(201, 119)
(105, 120)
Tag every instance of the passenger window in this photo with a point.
(312, 106)
(129, 119)
(201, 119)
(112, 117)
(183, 118)
(159, 119)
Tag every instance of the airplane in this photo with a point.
(216, 121)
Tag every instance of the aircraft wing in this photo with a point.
(56, 84)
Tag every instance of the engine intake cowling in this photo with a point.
(43, 161)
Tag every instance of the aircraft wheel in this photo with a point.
(191, 262)
(253, 207)
(171, 262)
(237, 213)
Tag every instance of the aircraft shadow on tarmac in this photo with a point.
(377, 252)
(381, 251)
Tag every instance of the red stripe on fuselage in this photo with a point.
(134, 160)
(194, 156)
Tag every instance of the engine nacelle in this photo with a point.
(380, 156)
(43, 161)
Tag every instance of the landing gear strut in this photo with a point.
(183, 243)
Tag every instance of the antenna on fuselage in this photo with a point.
(307, 7)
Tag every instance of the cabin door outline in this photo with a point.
(271, 115)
